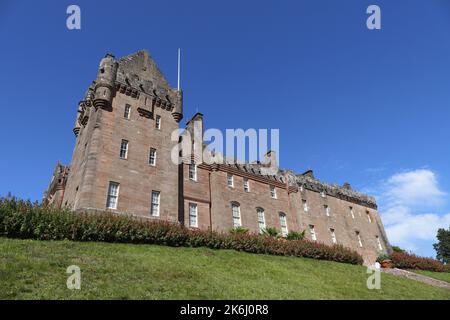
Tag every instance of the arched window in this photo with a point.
(236, 212)
(261, 219)
(283, 224)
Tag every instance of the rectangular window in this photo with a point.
(283, 225)
(230, 180)
(261, 219)
(246, 185)
(193, 217)
(113, 195)
(380, 247)
(305, 205)
(333, 236)
(368, 217)
(358, 236)
(158, 122)
(152, 157)
(127, 112)
(154, 211)
(352, 213)
(124, 149)
(193, 172)
(236, 211)
(327, 210)
(273, 192)
(313, 233)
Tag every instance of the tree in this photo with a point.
(398, 249)
(443, 246)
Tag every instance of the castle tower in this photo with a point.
(104, 87)
(122, 156)
(122, 162)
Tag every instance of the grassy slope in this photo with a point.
(35, 269)
(444, 276)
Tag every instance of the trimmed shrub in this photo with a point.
(25, 220)
(397, 249)
(383, 257)
(237, 230)
(293, 235)
(271, 232)
(403, 260)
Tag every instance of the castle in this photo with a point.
(122, 163)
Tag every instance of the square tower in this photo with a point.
(122, 156)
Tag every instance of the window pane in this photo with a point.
(124, 149)
(261, 219)
(155, 203)
(283, 224)
(236, 215)
(152, 157)
(113, 193)
(193, 215)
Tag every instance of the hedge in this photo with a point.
(25, 220)
(404, 260)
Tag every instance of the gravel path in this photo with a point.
(418, 277)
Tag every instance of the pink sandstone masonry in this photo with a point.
(131, 101)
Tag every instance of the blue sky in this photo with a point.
(368, 107)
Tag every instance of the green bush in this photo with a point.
(293, 235)
(383, 257)
(403, 260)
(22, 219)
(397, 249)
(237, 230)
(271, 232)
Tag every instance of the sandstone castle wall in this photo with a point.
(136, 82)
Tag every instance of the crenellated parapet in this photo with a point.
(83, 110)
(136, 76)
(345, 192)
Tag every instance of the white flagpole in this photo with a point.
(179, 65)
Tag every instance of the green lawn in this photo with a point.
(444, 276)
(37, 270)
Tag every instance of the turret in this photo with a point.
(177, 112)
(104, 87)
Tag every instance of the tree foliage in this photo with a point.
(442, 247)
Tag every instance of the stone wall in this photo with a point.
(136, 81)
